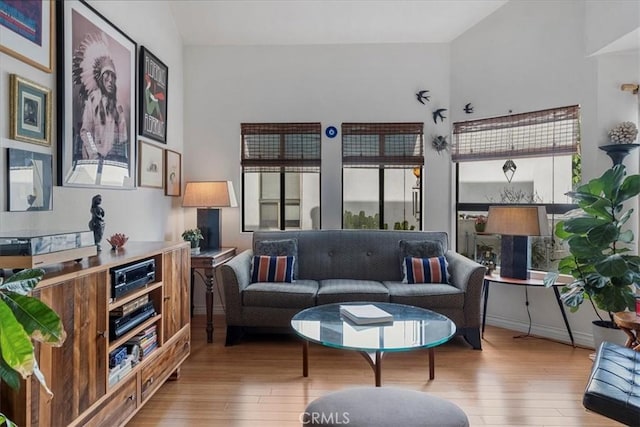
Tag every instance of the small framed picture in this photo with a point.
(172, 173)
(27, 32)
(150, 165)
(30, 111)
(152, 97)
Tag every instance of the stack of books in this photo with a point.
(120, 364)
(143, 343)
(365, 314)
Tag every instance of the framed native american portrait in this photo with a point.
(96, 99)
(152, 98)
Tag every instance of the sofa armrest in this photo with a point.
(468, 276)
(236, 275)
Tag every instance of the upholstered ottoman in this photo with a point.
(383, 407)
(613, 389)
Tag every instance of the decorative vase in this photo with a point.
(617, 152)
(480, 227)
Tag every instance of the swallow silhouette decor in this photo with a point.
(468, 108)
(422, 96)
(438, 114)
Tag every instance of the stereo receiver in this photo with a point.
(132, 276)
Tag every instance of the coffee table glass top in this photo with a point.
(412, 327)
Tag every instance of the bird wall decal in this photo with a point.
(422, 96)
(438, 114)
(468, 108)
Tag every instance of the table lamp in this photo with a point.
(516, 224)
(208, 196)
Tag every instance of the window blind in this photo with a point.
(387, 145)
(280, 147)
(532, 134)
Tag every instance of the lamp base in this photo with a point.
(209, 225)
(514, 258)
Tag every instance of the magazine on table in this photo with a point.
(365, 314)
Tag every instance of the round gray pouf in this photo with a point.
(383, 407)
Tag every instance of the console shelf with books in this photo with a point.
(119, 349)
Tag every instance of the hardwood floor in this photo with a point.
(258, 382)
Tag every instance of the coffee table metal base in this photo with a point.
(373, 358)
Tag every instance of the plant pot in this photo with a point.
(480, 227)
(604, 330)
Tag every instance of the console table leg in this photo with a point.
(432, 366)
(378, 369)
(305, 358)
(210, 283)
(485, 289)
(564, 315)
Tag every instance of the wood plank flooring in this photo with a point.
(258, 382)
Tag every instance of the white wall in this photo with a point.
(532, 55)
(227, 86)
(143, 214)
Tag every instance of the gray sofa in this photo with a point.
(348, 265)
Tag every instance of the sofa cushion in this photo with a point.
(278, 247)
(301, 294)
(346, 290)
(425, 270)
(272, 269)
(418, 249)
(426, 295)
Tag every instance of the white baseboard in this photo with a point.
(557, 334)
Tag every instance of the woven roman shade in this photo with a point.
(280, 147)
(388, 145)
(538, 133)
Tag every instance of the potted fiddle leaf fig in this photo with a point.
(24, 318)
(604, 270)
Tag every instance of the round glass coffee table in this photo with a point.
(412, 328)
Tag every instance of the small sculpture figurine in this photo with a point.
(97, 220)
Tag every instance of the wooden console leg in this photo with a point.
(305, 358)
(209, 283)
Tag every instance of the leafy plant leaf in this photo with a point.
(602, 235)
(630, 188)
(15, 344)
(23, 281)
(9, 375)
(613, 265)
(38, 319)
(582, 225)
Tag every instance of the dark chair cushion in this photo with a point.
(613, 389)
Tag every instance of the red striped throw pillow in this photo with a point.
(426, 270)
(272, 269)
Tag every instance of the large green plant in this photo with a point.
(23, 318)
(600, 261)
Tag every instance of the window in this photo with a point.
(280, 176)
(382, 175)
(528, 158)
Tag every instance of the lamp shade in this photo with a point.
(518, 221)
(209, 194)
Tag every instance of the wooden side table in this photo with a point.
(209, 261)
(629, 322)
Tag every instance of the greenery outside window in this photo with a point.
(382, 175)
(280, 176)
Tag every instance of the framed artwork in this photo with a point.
(30, 111)
(96, 100)
(29, 181)
(150, 165)
(172, 173)
(152, 98)
(27, 31)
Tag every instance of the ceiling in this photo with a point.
(296, 22)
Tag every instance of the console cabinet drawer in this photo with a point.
(116, 409)
(163, 365)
